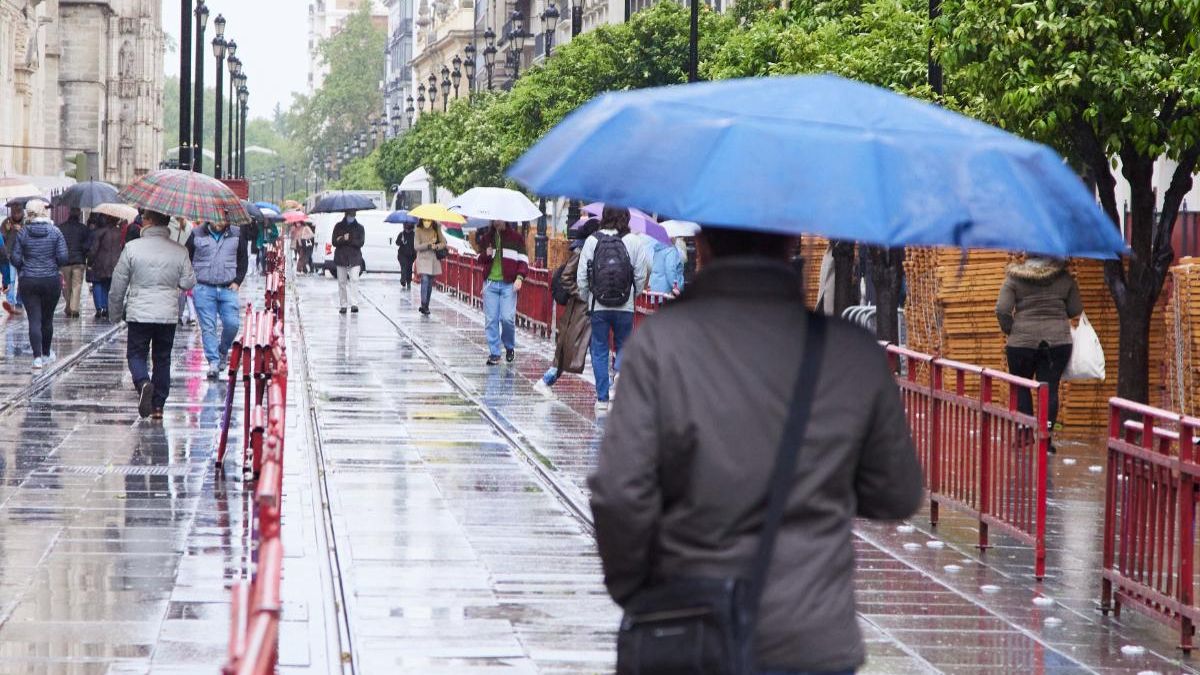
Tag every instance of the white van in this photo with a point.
(379, 251)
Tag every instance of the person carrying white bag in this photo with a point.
(1035, 307)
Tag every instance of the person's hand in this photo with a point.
(234, 287)
(517, 284)
(491, 252)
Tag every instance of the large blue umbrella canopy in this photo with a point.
(268, 205)
(820, 155)
(342, 201)
(400, 216)
(87, 195)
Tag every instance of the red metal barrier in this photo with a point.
(1150, 514)
(981, 455)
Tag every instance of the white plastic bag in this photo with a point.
(1087, 356)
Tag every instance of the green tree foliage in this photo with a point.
(349, 95)
(360, 174)
(1097, 80)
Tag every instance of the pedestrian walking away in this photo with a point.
(406, 253)
(614, 266)
(1035, 307)
(681, 435)
(574, 334)
(267, 233)
(348, 238)
(220, 259)
(79, 241)
(430, 245)
(9, 229)
(38, 252)
(505, 266)
(149, 276)
(108, 241)
(303, 240)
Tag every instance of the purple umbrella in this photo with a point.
(639, 222)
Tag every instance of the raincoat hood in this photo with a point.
(1038, 270)
(39, 229)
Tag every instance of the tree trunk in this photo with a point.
(1133, 365)
(887, 271)
(845, 286)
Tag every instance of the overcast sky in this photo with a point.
(272, 37)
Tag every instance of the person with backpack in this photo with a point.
(505, 266)
(614, 266)
(574, 325)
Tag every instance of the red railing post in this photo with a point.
(235, 360)
(1186, 499)
(985, 456)
(1043, 451)
(935, 437)
(1110, 507)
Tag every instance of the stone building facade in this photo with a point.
(81, 76)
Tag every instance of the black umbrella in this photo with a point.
(255, 212)
(343, 202)
(87, 195)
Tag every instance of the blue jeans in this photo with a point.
(100, 294)
(426, 289)
(500, 316)
(604, 321)
(213, 302)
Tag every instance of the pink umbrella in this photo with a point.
(294, 217)
(639, 222)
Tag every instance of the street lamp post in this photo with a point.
(469, 66)
(421, 97)
(243, 96)
(516, 42)
(219, 46)
(445, 88)
(409, 111)
(185, 84)
(549, 25)
(456, 74)
(235, 67)
(489, 54)
(694, 42)
(432, 91)
(198, 97)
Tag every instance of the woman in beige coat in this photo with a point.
(429, 241)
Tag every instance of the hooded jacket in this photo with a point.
(39, 250)
(1036, 303)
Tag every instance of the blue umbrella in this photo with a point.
(820, 155)
(268, 205)
(400, 216)
(87, 195)
(342, 201)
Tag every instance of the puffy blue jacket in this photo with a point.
(667, 268)
(39, 251)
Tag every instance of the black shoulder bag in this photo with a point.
(697, 626)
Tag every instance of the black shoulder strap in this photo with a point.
(783, 476)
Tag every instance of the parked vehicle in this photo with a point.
(379, 252)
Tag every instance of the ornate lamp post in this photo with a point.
(456, 74)
(219, 46)
(432, 91)
(469, 66)
(243, 97)
(516, 42)
(198, 97)
(489, 54)
(549, 25)
(445, 88)
(421, 97)
(409, 111)
(185, 84)
(235, 68)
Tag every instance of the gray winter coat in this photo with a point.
(681, 482)
(151, 272)
(1036, 303)
(39, 251)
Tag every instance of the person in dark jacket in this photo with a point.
(348, 239)
(38, 252)
(79, 240)
(406, 253)
(505, 265)
(1035, 307)
(9, 228)
(680, 486)
(107, 243)
(220, 257)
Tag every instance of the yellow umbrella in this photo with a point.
(438, 213)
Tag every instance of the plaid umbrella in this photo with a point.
(186, 194)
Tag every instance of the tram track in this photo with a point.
(60, 368)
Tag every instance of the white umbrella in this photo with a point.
(13, 188)
(681, 228)
(496, 204)
(122, 212)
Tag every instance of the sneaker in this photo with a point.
(510, 355)
(214, 372)
(493, 360)
(612, 388)
(146, 399)
(157, 414)
(224, 365)
(602, 406)
(38, 362)
(542, 388)
(50, 358)
(99, 313)
(342, 310)
(354, 309)
(424, 310)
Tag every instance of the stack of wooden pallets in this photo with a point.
(1182, 344)
(812, 249)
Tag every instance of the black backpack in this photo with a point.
(610, 271)
(557, 289)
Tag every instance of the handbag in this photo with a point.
(441, 253)
(1087, 354)
(705, 626)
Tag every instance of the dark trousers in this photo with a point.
(151, 341)
(40, 297)
(1044, 364)
(406, 267)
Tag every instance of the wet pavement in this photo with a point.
(435, 520)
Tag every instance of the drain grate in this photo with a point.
(125, 470)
